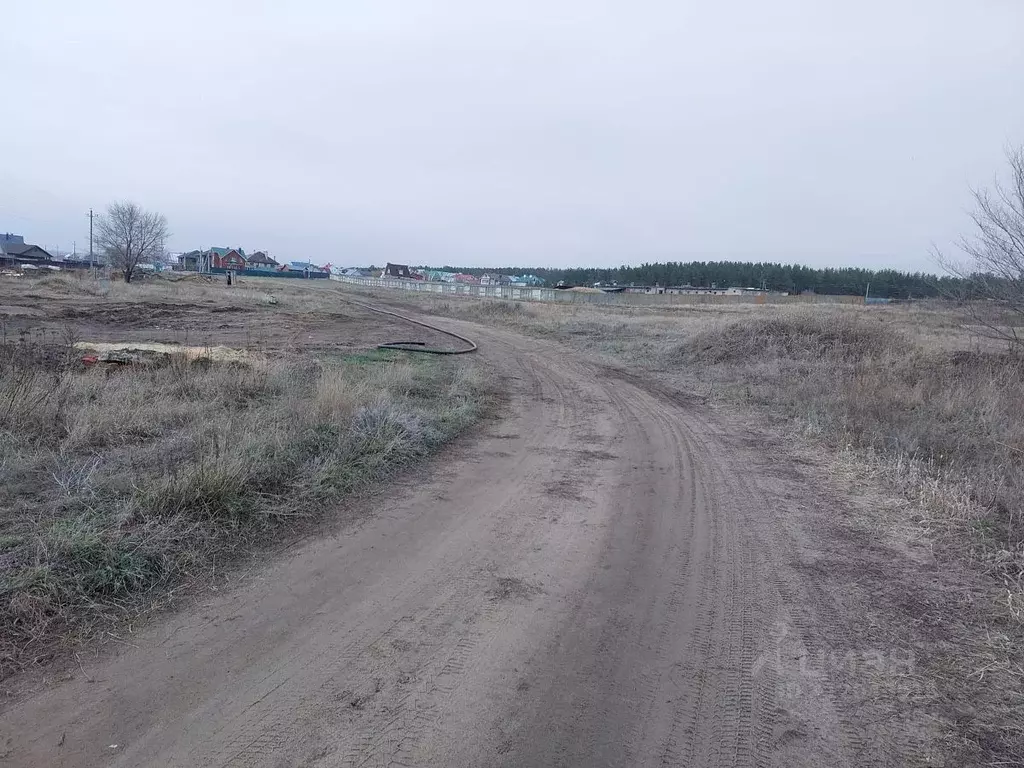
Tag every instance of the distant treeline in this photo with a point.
(725, 274)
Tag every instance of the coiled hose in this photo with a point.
(417, 346)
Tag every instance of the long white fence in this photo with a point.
(551, 294)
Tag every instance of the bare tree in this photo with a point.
(131, 236)
(994, 275)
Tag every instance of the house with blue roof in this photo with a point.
(302, 266)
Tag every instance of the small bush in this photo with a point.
(487, 310)
(384, 431)
(97, 563)
(501, 309)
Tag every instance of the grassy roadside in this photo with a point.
(121, 483)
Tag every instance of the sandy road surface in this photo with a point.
(604, 577)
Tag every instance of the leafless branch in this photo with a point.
(994, 272)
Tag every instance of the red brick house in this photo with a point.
(227, 258)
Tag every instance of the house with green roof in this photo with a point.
(227, 258)
(214, 258)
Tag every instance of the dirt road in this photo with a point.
(605, 577)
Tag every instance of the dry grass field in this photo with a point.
(122, 483)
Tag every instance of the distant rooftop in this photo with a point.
(224, 251)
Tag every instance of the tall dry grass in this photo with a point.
(119, 483)
(954, 414)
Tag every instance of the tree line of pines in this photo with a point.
(791, 278)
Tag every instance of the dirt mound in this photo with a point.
(798, 337)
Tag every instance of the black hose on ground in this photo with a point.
(417, 346)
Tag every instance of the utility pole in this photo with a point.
(91, 264)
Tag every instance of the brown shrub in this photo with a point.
(804, 336)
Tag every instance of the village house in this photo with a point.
(306, 267)
(695, 290)
(219, 260)
(215, 258)
(494, 279)
(190, 261)
(227, 258)
(692, 290)
(260, 260)
(351, 271)
(14, 250)
(527, 281)
(439, 276)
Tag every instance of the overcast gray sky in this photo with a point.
(488, 133)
